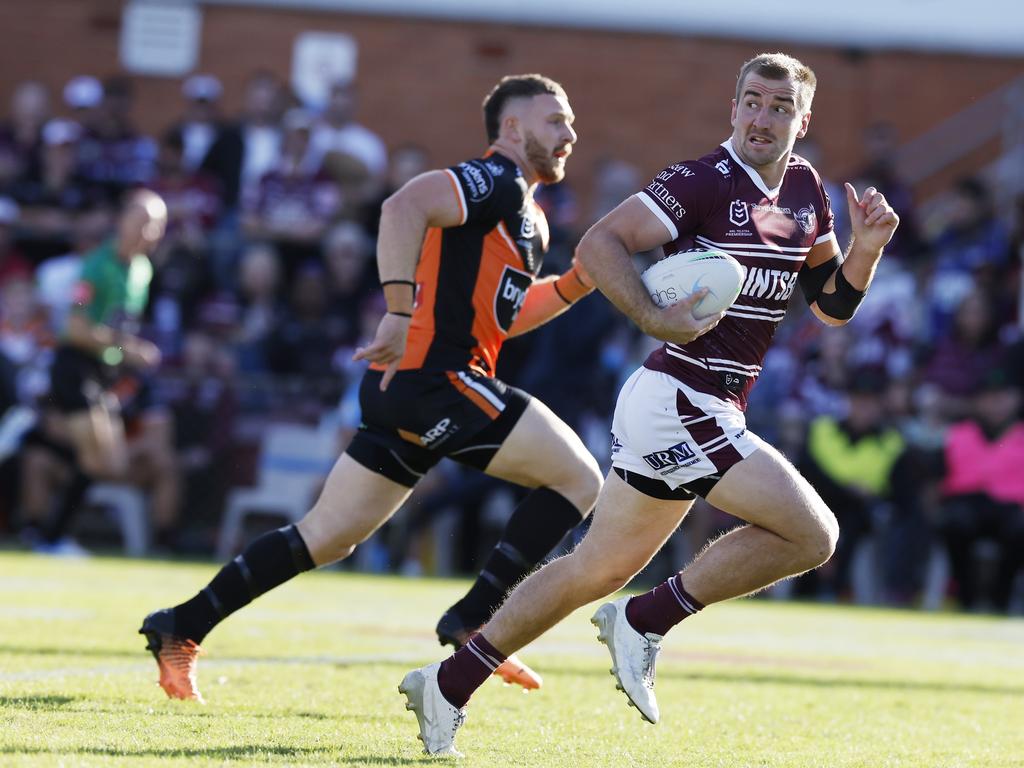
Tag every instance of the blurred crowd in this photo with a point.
(907, 421)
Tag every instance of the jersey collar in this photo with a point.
(753, 174)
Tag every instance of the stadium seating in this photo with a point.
(294, 460)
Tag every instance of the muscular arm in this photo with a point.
(820, 255)
(858, 269)
(548, 298)
(605, 252)
(874, 223)
(429, 200)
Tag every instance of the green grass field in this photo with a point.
(308, 676)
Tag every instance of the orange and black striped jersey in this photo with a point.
(472, 279)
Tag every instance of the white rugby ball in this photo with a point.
(678, 275)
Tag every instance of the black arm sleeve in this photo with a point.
(843, 302)
(813, 279)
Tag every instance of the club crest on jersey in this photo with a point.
(477, 181)
(494, 168)
(805, 218)
(738, 213)
(511, 293)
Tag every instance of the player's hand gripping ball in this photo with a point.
(677, 276)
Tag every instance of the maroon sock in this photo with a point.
(467, 669)
(662, 608)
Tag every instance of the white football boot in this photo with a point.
(438, 719)
(633, 656)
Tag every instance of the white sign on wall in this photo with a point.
(160, 38)
(318, 60)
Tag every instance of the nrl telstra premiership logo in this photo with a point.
(738, 213)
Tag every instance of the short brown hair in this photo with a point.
(514, 87)
(779, 66)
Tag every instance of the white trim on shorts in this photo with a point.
(664, 430)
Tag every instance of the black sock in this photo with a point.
(70, 503)
(536, 526)
(270, 560)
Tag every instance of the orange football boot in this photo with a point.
(177, 657)
(451, 631)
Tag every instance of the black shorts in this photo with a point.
(424, 417)
(78, 381)
(659, 489)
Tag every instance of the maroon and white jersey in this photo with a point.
(719, 202)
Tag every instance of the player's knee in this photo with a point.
(325, 544)
(609, 581)
(822, 535)
(597, 578)
(325, 550)
(583, 484)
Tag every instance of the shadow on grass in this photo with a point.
(36, 650)
(841, 682)
(86, 705)
(249, 752)
(34, 703)
(141, 653)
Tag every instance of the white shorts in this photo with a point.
(664, 430)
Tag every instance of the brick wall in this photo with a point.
(649, 97)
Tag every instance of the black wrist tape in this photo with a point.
(844, 302)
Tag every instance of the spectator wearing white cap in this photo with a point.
(50, 197)
(83, 95)
(201, 121)
(183, 273)
(112, 154)
(20, 134)
(337, 131)
(292, 206)
(355, 154)
(83, 92)
(245, 150)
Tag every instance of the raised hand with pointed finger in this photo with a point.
(872, 218)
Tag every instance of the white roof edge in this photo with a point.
(978, 27)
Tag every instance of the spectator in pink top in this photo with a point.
(983, 490)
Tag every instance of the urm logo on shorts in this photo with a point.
(673, 457)
(511, 293)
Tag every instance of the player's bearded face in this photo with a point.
(548, 136)
(547, 162)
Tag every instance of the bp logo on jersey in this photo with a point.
(510, 296)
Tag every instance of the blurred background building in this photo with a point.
(274, 129)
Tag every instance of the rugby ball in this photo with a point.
(678, 275)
